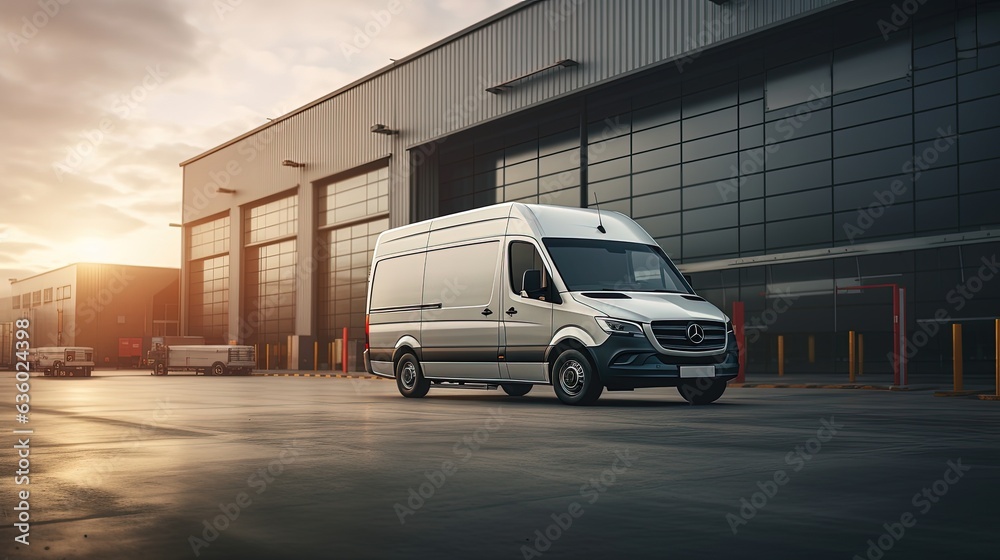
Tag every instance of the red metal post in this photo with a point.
(343, 350)
(903, 366)
(895, 336)
(738, 329)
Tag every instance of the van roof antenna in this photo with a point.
(600, 223)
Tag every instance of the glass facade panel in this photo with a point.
(208, 280)
(795, 143)
(270, 277)
(357, 197)
(209, 238)
(269, 283)
(871, 62)
(798, 82)
(273, 220)
(343, 280)
(208, 299)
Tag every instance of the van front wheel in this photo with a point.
(409, 378)
(574, 379)
(702, 390)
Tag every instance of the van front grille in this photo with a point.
(673, 335)
(241, 355)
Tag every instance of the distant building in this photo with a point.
(6, 333)
(96, 304)
(781, 152)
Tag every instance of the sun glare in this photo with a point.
(91, 249)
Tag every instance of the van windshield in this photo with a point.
(595, 264)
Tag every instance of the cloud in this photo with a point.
(103, 101)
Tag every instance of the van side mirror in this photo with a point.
(531, 283)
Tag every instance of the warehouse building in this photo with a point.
(782, 152)
(95, 305)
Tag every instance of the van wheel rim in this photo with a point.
(571, 378)
(409, 375)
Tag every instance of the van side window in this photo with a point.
(462, 276)
(524, 256)
(397, 282)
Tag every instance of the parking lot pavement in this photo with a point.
(126, 465)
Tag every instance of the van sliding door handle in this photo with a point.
(511, 312)
(487, 312)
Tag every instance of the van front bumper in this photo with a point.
(631, 362)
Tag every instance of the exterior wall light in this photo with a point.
(382, 129)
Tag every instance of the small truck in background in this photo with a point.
(63, 360)
(215, 359)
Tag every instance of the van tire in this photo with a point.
(160, 368)
(219, 368)
(516, 389)
(695, 394)
(574, 379)
(410, 378)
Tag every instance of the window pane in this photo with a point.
(871, 62)
(798, 82)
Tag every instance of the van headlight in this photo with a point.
(618, 326)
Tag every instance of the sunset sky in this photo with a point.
(102, 99)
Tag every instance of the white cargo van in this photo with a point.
(515, 295)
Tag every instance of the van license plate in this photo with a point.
(697, 371)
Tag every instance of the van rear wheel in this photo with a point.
(409, 378)
(516, 389)
(219, 368)
(574, 379)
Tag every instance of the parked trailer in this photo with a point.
(176, 340)
(63, 360)
(204, 359)
(129, 352)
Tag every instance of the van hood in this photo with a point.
(644, 307)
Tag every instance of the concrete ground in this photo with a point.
(126, 465)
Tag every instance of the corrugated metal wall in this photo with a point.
(443, 90)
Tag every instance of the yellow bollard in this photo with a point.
(781, 355)
(850, 355)
(812, 349)
(316, 355)
(956, 354)
(861, 354)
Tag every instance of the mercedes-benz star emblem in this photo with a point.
(696, 333)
